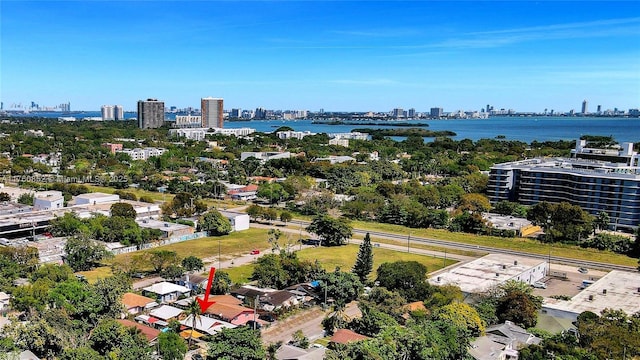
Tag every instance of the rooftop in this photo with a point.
(616, 290)
(166, 312)
(134, 300)
(206, 324)
(148, 332)
(481, 274)
(345, 336)
(164, 287)
(227, 311)
(161, 225)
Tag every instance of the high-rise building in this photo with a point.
(212, 112)
(398, 113)
(436, 112)
(150, 114)
(585, 107)
(595, 179)
(599, 109)
(235, 113)
(107, 112)
(412, 113)
(118, 112)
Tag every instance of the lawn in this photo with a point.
(98, 273)
(157, 196)
(345, 256)
(240, 274)
(231, 245)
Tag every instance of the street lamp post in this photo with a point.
(219, 259)
(408, 239)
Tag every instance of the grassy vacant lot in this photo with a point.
(345, 257)
(157, 196)
(98, 273)
(231, 245)
(519, 244)
(240, 274)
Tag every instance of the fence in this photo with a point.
(172, 240)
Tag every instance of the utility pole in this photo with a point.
(219, 260)
(408, 239)
(255, 310)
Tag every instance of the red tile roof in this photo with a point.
(131, 300)
(227, 311)
(345, 336)
(148, 332)
(226, 299)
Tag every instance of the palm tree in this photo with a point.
(193, 310)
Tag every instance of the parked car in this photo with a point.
(539, 285)
(583, 270)
(255, 252)
(267, 317)
(254, 324)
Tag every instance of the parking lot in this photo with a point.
(569, 286)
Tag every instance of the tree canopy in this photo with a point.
(332, 231)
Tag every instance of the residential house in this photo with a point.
(165, 292)
(166, 313)
(149, 333)
(345, 336)
(206, 325)
(235, 314)
(276, 300)
(414, 306)
(501, 342)
(136, 304)
(290, 352)
(307, 293)
(194, 282)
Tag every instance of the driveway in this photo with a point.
(309, 321)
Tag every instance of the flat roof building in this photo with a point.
(482, 274)
(618, 290)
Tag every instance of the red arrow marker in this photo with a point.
(204, 304)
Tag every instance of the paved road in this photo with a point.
(402, 247)
(488, 249)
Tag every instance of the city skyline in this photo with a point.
(339, 56)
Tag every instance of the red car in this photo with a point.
(255, 252)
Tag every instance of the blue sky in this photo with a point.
(336, 55)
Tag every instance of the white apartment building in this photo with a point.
(197, 134)
(235, 132)
(339, 142)
(351, 136)
(142, 153)
(107, 112)
(188, 121)
(294, 134)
